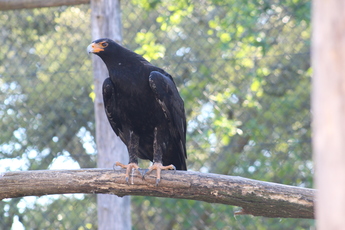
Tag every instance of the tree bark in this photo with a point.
(256, 198)
(30, 4)
(328, 105)
(106, 22)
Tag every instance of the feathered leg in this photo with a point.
(158, 157)
(132, 147)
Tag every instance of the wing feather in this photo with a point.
(111, 108)
(172, 105)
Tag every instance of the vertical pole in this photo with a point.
(113, 211)
(328, 104)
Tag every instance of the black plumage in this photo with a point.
(143, 107)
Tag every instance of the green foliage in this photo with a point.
(45, 82)
(45, 105)
(242, 68)
(80, 206)
(148, 47)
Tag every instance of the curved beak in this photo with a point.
(94, 48)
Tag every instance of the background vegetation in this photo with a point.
(242, 68)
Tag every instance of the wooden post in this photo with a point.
(113, 211)
(328, 104)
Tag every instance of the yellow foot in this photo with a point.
(129, 168)
(159, 167)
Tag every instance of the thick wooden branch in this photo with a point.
(256, 198)
(29, 4)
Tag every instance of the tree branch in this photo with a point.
(29, 4)
(256, 198)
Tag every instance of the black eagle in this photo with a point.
(143, 107)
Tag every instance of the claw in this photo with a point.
(129, 168)
(157, 182)
(174, 168)
(144, 173)
(159, 167)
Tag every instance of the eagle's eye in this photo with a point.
(104, 44)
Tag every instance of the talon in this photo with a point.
(122, 165)
(159, 167)
(129, 168)
(118, 164)
(144, 173)
(157, 182)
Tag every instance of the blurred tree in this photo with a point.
(47, 111)
(65, 205)
(242, 68)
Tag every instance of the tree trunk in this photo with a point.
(328, 104)
(106, 22)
